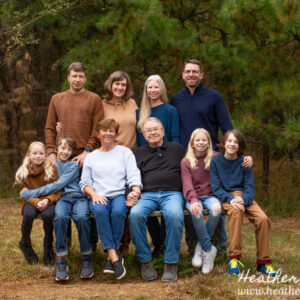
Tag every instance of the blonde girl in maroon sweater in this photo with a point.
(36, 171)
(198, 195)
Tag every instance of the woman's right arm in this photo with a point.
(96, 198)
(86, 182)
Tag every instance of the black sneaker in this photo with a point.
(48, 255)
(108, 269)
(62, 270)
(86, 267)
(28, 252)
(147, 272)
(119, 268)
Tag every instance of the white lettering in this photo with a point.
(246, 276)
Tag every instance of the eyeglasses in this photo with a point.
(155, 129)
(191, 71)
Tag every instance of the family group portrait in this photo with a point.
(150, 149)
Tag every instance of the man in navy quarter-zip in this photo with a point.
(200, 107)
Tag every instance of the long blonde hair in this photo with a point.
(23, 172)
(191, 155)
(145, 110)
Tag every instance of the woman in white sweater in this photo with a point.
(107, 171)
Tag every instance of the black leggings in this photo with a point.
(30, 212)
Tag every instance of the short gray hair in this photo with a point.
(153, 119)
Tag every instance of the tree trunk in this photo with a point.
(13, 137)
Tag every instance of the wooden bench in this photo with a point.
(186, 212)
(157, 213)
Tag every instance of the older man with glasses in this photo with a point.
(159, 163)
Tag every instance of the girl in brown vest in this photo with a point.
(36, 171)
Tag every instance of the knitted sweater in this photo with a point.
(229, 175)
(109, 172)
(79, 114)
(195, 182)
(35, 180)
(204, 109)
(125, 114)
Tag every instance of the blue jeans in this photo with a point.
(110, 219)
(205, 232)
(171, 205)
(77, 208)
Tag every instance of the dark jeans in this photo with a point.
(30, 213)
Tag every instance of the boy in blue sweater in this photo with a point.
(233, 184)
(73, 203)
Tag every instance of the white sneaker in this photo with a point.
(208, 260)
(197, 258)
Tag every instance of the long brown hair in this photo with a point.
(117, 76)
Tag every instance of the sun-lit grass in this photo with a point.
(192, 284)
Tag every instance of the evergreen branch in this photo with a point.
(192, 15)
(38, 18)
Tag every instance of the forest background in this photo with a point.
(250, 51)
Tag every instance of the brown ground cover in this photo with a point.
(18, 280)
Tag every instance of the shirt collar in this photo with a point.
(196, 89)
(153, 149)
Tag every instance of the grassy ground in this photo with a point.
(18, 280)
